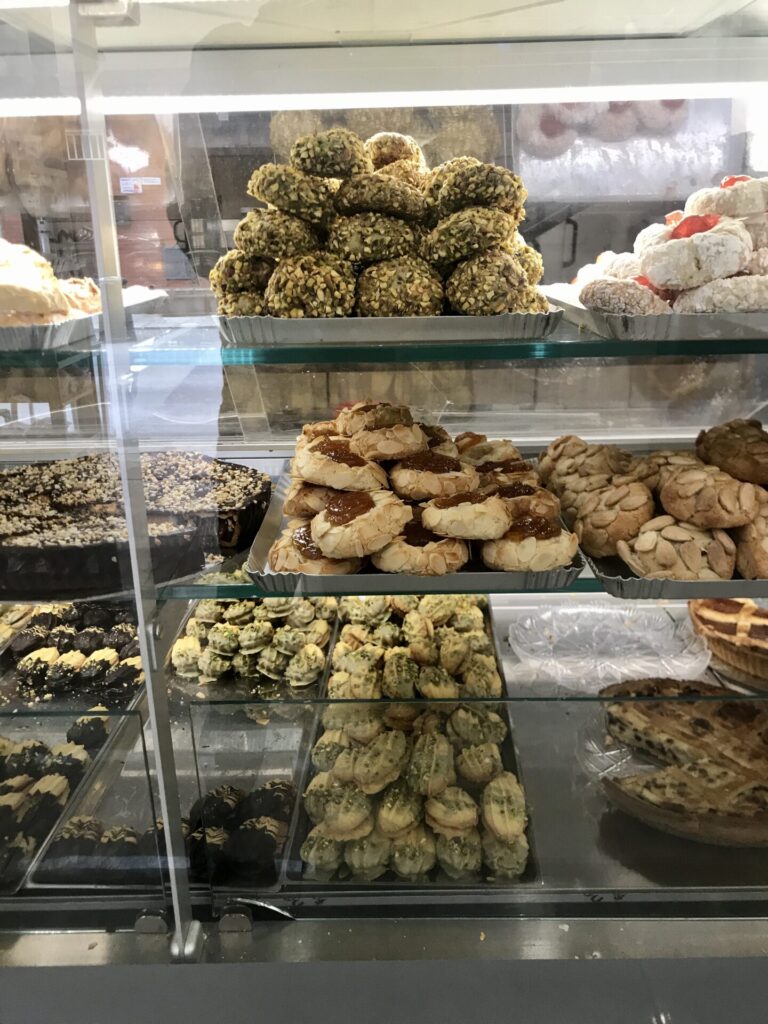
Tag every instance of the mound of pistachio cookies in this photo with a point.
(364, 228)
(410, 780)
(376, 484)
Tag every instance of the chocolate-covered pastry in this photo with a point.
(64, 672)
(152, 844)
(98, 664)
(44, 803)
(47, 615)
(274, 800)
(251, 849)
(62, 638)
(89, 640)
(11, 810)
(121, 634)
(29, 639)
(15, 854)
(33, 668)
(26, 758)
(70, 760)
(118, 851)
(96, 615)
(6, 747)
(90, 730)
(217, 809)
(206, 853)
(125, 677)
(132, 649)
(71, 857)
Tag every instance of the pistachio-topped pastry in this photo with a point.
(438, 608)
(321, 852)
(400, 809)
(318, 633)
(288, 640)
(326, 608)
(480, 763)
(413, 852)
(417, 627)
(354, 635)
(361, 660)
(301, 614)
(328, 747)
(437, 684)
(256, 636)
(401, 604)
(317, 794)
(98, 664)
(460, 855)
(209, 610)
(468, 620)
(388, 634)
(469, 726)
(357, 686)
(382, 761)
(504, 807)
(277, 607)
(368, 857)
(185, 654)
(505, 860)
(451, 812)
(370, 611)
(238, 613)
(224, 638)
(213, 665)
(272, 663)
(400, 676)
(431, 767)
(306, 667)
(481, 677)
(454, 651)
(246, 664)
(344, 765)
(197, 628)
(348, 812)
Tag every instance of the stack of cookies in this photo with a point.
(685, 515)
(354, 228)
(375, 483)
(407, 784)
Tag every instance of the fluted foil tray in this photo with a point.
(617, 579)
(664, 327)
(473, 578)
(44, 337)
(270, 330)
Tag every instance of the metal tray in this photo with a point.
(270, 330)
(44, 337)
(664, 327)
(473, 578)
(616, 578)
(294, 877)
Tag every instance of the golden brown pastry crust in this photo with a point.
(286, 556)
(739, 447)
(365, 533)
(530, 554)
(418, 484)
(316, 466)
(708, 497)
(386, 444)
(486, 519)
(610, 515)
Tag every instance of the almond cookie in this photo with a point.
(739, 447)
(479, 764)
(431, 766)
(507, 472)
(477, 449)
(563, 447)
(451, 812)
(503, 805)
(524, 499)
(370, 415)
(382, 761)
(295, 551)
(358, 523)
(420, 552)
(389, 443)
(752, 545)
(653, 469)
(707, 497)
(430, 475)
(594, 460)
(575, 489)
(439, 440)
(610, 515)
(330, 462)
(399, 811)
(472, 516)
(533, 544)
(701, 248)
(667, 549)
(413, 853)
(305, 500)
(461, 855)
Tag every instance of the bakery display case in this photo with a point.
(383, 522)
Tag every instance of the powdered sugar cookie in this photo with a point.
(700, 248)
(650, 236)
(758, 264)
(616, 124)
(629, 297)
(575, 115)
(731, 295)
(738, 195)
(542, 133)
(662, 116)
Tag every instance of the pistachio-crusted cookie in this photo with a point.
(483, 185)
(328, 747)
(437, 684)
(505, 859)
(529, 259)
(376, 193)
(460, 855)
(465, 234)
(480, 763)
(363, 722)
(242, 304)
(480, 676)
(437, 177)
(370, 237)
(305, 667)
(400, 676)
(667, 549)
(272, 234)
(292, 191)
(382, 761)
(503, 805)
(408, 172)
(344, 810)
(314, 285)
(385, 148)
(236, 271)
(607, 516)
(471, 726)
(336, 153)
(490, 283)
(368, 857)
(400, 809)
(431, 766)
(405, 286)
(369, 611)
(708, 497)
(451, 812)
(414, 853)
(321, 852)
(739, 447)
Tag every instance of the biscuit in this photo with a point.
(451, 812)
(707, 497)
(667, 549)
(414, 853)
(431, 770)
(358, 523)
(459, 856)
(472, 516)
(615, 513)
(295, 551)
(371, 415)
(505, 859)
(330, 462)
(386, 444)
(368, 857)
(422, 553)
(431, 475)
(399, 810)
(480, 763)
(524, 499)
(739, 447)
(531, 544)
(305, 500)
(503, 807)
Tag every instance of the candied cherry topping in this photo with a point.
(733, 179)
(551, 127)
(674, 218)
(694, 225)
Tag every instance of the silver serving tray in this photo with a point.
(474, 578)
(664, 327)
(617, 579)
(270, 330)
